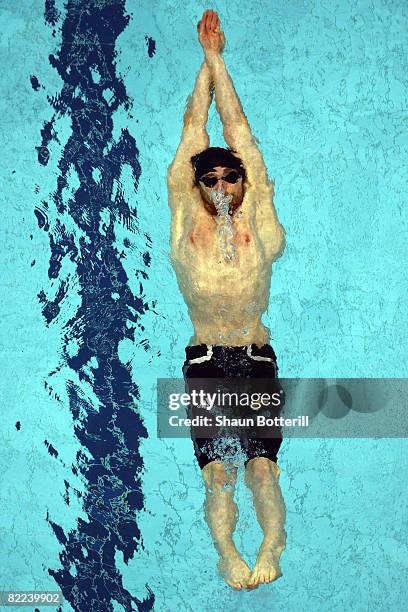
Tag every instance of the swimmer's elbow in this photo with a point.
(173, 171)
(175, 177)
(237, 131)
(280, 242)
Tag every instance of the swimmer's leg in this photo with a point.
(261, 476)
(221, 515)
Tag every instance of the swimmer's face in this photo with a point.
(218, 176)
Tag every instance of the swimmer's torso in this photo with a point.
(226, 295)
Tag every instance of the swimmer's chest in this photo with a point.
(207, 242)
(203, 269)
(204, 273)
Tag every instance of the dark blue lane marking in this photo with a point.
(110, 429)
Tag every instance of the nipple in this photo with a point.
(224, 223)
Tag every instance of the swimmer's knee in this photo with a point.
(261, 469)
(219, 476)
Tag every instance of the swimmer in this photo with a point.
(225, 235)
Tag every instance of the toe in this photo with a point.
(253, 581)
(251, 587)
(234, 585)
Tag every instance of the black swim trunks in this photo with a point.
(243, 362)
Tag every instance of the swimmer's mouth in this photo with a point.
(220, 199)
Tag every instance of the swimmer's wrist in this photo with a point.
(211, 54)
(214, 61)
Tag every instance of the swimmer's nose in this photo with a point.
(220, 184)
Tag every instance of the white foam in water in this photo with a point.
(224, 222)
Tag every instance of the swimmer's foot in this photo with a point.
(234, 570)
(266, 568)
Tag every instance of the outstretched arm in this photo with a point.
(237, 132)
(194, 137)
(238, 136)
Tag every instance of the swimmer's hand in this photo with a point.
(209, 34)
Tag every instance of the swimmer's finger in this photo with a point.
(208, 20)
(200, 28)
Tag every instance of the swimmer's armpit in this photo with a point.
(194, 139)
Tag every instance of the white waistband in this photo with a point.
(256, 357)
(206, 357)
(209, 354)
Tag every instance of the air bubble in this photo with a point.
(224, 223)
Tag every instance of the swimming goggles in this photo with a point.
(232, 177)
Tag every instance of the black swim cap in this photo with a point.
(208, 159)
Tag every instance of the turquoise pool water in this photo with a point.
(85, 260)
